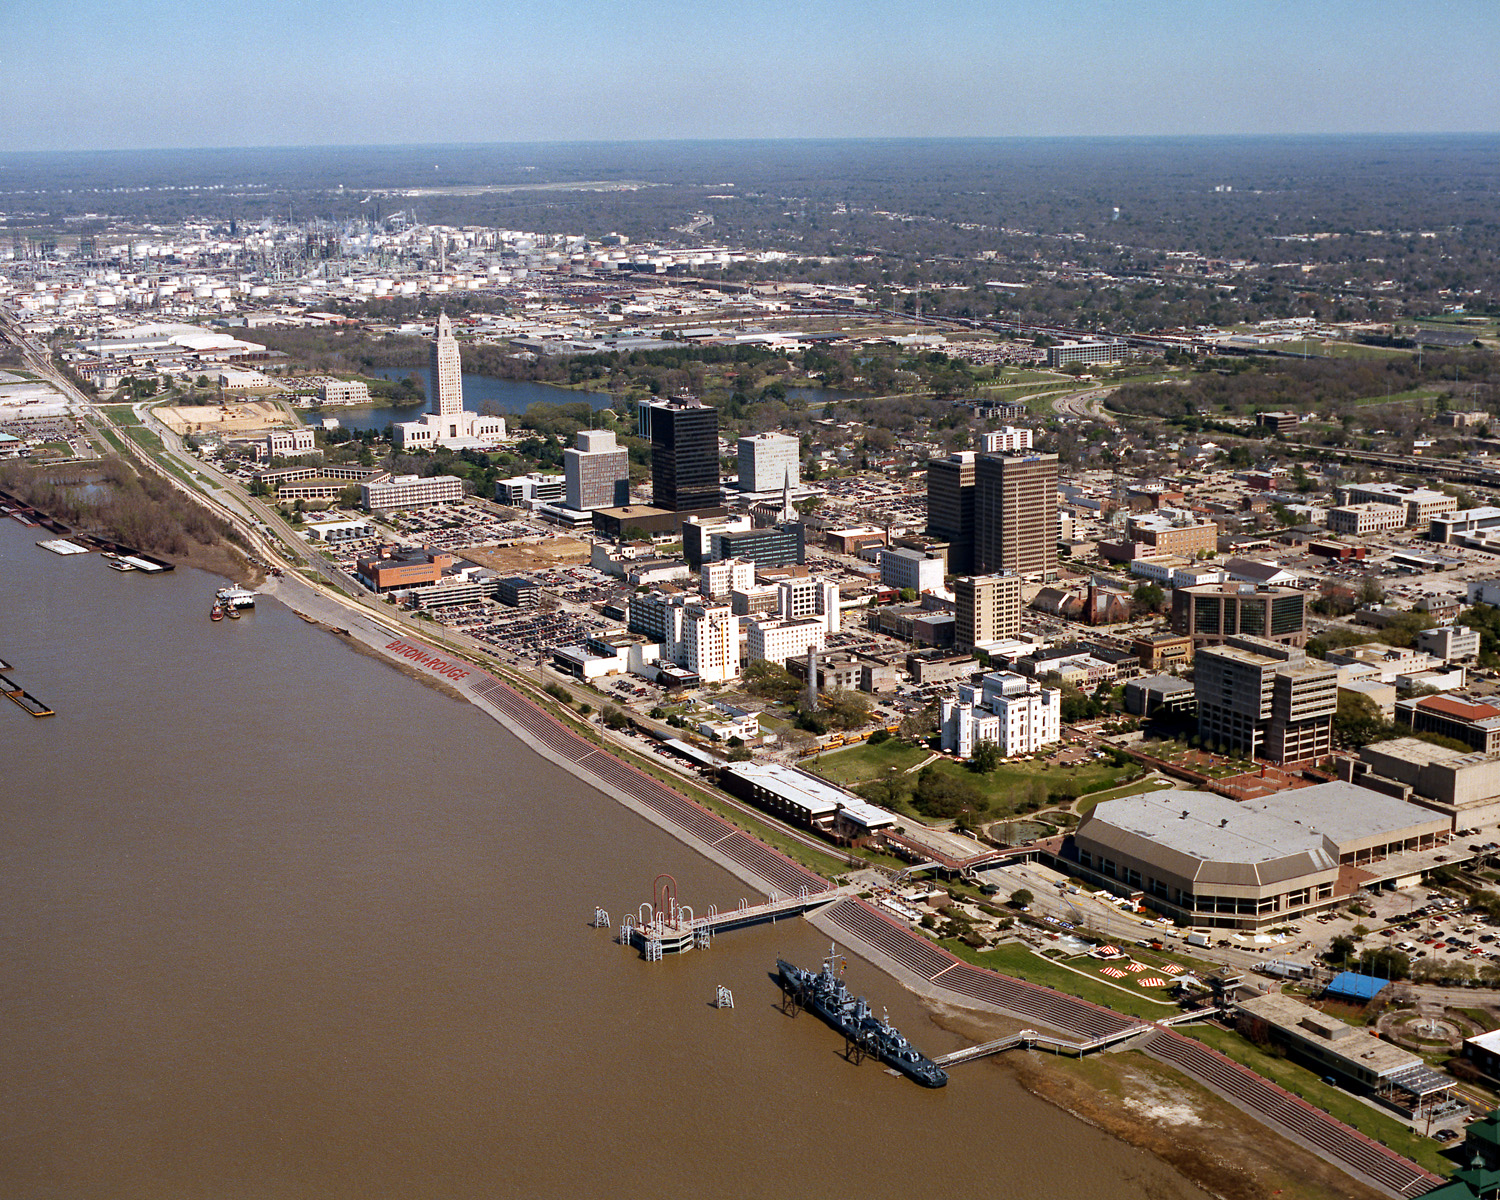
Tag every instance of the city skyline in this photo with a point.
(358, 75)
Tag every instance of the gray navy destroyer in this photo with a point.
(826, 995)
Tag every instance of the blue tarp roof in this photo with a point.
(1357, 987)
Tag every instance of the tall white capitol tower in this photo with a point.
(448, 423)
(447, 377)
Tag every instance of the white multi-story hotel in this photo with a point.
(411, 491)
(1420, 504)
(286, 443)
(1007, 440)
(911, 569)
(1366, 518)
(769, 462)
(344, 391)
(726, 576)
(700, 636)
(448, 423)
(778, 639)
(1016, 713)
(710, 642)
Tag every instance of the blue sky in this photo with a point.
(102, 74)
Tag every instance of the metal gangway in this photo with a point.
(1029, 1039)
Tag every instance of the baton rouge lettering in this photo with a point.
(432, 662)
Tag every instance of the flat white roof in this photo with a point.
(814, 796)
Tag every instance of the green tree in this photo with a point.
(941, 793)
(1359, 721)
(1150, 597)
(1385, 963)
(770, 681)
(986, 757)
(1340, 949)
(919, 726)
(1020, 898)
(614, 718)
(847, 709)
(1485, 618)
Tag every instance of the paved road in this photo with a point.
(1085, 404)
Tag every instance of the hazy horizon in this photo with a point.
(1310, 136)
(167, 74)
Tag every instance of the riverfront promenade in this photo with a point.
(927, 969)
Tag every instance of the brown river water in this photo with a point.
(279, 922)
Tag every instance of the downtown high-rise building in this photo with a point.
(596, 471)
(769, 462)
(950, 508)
(447, 378)
(684, 437)
(987, 608)
(1015, 514)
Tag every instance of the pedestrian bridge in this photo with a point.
(1029, 1039)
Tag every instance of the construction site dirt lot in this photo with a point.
(1223, 1150)
(246, 416)
(530, 556)
(1206, 1139)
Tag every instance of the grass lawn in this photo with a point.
(1009, 785)
(1407, 397)
(1301, 1082)
(146, 439)
(1087, 803)
(865, 762)
(120, 414)
(112, 438)
(1479, 1016)
(1349, 350)
(1086, 983)
(1005, 790)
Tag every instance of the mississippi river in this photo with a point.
(280, 922)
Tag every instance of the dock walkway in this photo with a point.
(25, 699)
(680, 932)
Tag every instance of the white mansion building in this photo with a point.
(1016, 713)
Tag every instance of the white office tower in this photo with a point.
(596, 471)
(710, 642)
(777, 639)
(810, 596)
(726, 576)
(769, 462)
(447, 376)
